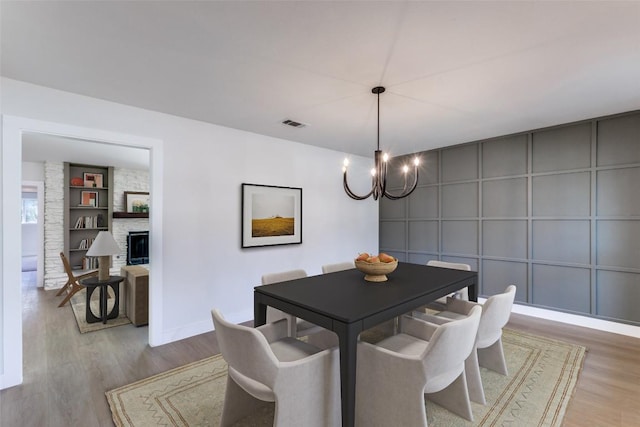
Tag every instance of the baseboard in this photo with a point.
(9, 380)
(574, 319)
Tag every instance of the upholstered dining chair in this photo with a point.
(265, 365)
(423, 360)
(339, 266)
(462, 293)
(297, 327)
(73, 282)
(488, 351)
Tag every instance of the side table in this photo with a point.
(91, 284)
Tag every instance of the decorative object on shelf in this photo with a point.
(376, 267)
(379, 172)
(104, 246)
(89, 199)
(271, 215)
(93, 180)
(77, 181)
(136, 201)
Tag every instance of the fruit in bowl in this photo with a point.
(376, 267)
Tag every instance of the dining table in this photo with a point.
(345, 303)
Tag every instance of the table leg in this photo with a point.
(473, 292)
(259, 312)
(348, 341)
(115, 310)
(103, 303)
(90, 316)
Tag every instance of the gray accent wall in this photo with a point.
(554, 211)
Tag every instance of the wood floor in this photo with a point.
(67, 373)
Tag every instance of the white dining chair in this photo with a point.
(424, 360)
(297, 327)
(488, 351)
(339, 266)
(460, 294)
(266, 365)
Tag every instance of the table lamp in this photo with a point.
(103, 247)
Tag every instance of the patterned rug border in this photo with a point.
(524, 379)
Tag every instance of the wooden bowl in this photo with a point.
(376, 271)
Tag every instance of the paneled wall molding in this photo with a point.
(555, 211)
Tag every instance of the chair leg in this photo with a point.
(63, 288)
(474, 381)
(454, 398)
(74, 288)
(492, 358)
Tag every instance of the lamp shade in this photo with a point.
(103, 245)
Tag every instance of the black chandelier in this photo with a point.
(379, 171)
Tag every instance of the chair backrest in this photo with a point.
(495, 315)
(339, 266)
(452, 265)
(246, 350)
(449, 346)
(67, 267)
(283, 276)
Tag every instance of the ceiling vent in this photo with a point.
(293, 123)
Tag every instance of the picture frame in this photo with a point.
(93, 180)
(89, 199)
(136, 201)
(271, 215)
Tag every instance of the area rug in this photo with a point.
(541, 380)
(79, 304)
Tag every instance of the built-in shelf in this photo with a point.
(131, 214)
(87, 209)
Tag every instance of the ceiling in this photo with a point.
(454, 71)
(38, 147)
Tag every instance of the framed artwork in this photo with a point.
(89, 198)
(92, 180)
(136, 201)
(271, 215)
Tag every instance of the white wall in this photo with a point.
(203, 168)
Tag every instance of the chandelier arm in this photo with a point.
(379, 172)
(404, 192)
(351, 193)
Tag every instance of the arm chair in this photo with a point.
(488, 351)
(265, 365)
(424, 360)
(297, 327)
(73, 282)
(462, 293)
(340, 266)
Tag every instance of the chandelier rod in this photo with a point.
(379, 172)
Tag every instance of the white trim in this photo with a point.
(40, 255)
(11, 152)
(584, 321)
(574, 319)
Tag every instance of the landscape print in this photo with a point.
(272, 215)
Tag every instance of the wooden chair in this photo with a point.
(73, 282)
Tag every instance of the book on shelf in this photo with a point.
(85, 243)
(94, 221)
(89, 263)
(79, 222)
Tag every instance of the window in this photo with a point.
(29, 208)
